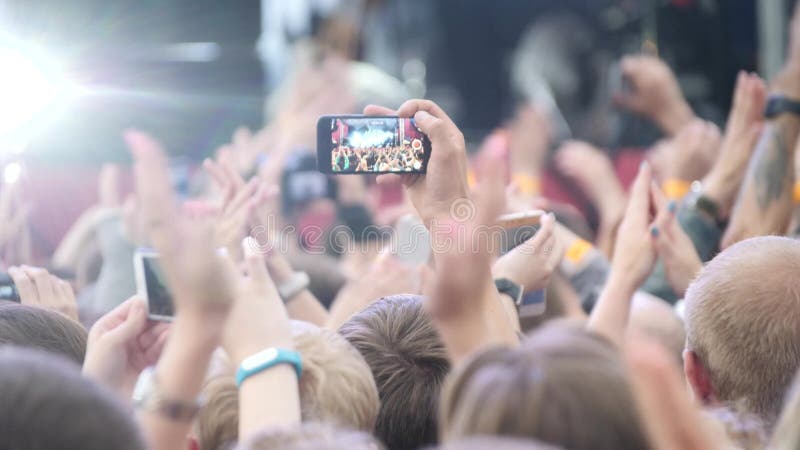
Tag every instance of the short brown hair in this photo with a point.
(48, 405)
(310, 436)
(28, 326)
(564, 386)
(409, 362)
(742, 316)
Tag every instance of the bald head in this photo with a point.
(743, 322)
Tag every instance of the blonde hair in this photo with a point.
(217, 425)
(564, 386)
(337, 384)
(742, 315)
(336, 387)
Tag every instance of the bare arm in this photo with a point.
(634, 258)
(764, 205)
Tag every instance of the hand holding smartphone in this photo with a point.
(356, 144)
(151, 284)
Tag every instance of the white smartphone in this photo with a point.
(151, 284)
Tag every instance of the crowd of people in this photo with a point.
(674, 323)
(404, 158)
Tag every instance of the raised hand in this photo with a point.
(531, 263)
(201, 290)
(745, 123)
(239, 200)
(37, 287)
(258, 321)
(655, 93)
(529, 139)
(258, 318)
(445, 182)
(122, 344)
(594, 173)
(634, 257)
(188, 256)
(677, 251)
(634, 253)
(689, 155)
(462, 298)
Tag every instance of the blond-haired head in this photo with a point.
(336, 387)
(337, 384)
(743, 325)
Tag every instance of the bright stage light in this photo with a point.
(26, 89)
(369, 138)
(12, 172)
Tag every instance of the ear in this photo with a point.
(192, 444)
(698, 378)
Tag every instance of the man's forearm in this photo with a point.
(764, 205)
(765, 202)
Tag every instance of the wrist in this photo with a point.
(198, 331)
(243, 350)
(671, 119)
(787, 82)
(622, 283)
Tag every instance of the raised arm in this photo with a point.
(201, 292)
(764, 205)
(634, 257)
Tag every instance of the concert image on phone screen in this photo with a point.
(159, 299)
(363, 144)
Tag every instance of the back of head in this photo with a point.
(54, 407)
(28, 326)
(311, 436)
(336, 388)
(742, 315)
(564, 386)
(408, 361)
(337, 384)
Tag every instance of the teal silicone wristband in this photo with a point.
(265, 359)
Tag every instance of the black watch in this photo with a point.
(779, 104)
(509, 288)
(697, 200)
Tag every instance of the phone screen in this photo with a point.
(371, 144)
(159, 299)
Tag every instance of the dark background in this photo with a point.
(194, 107)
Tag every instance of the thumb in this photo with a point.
(430, 125)
(134, 324)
